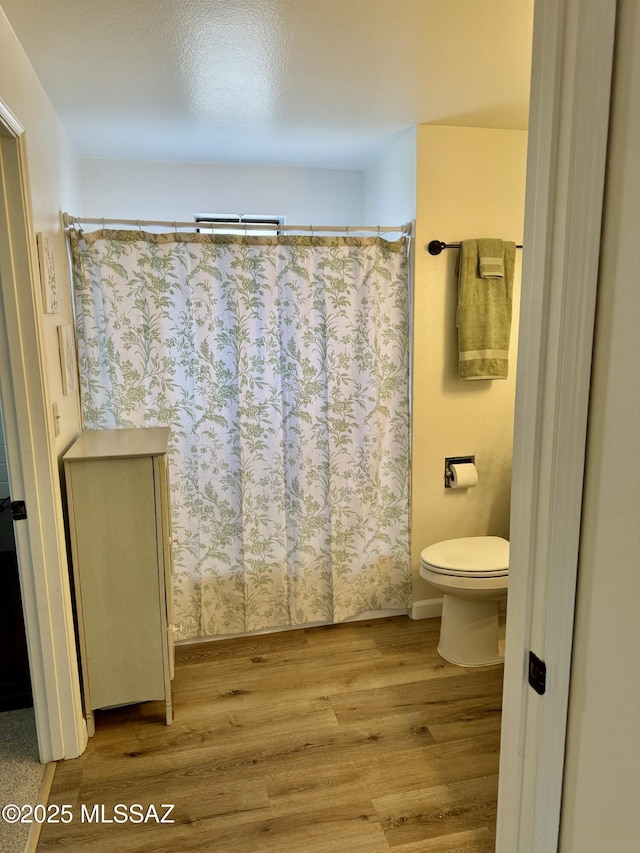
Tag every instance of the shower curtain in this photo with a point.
(280, 365)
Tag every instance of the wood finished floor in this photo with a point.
(355, 738)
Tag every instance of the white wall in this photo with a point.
(389, 190)
(602, 768)
(470, 184)
(178, 191)
(54, 178)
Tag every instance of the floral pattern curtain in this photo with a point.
(281, 366)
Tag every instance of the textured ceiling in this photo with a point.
(324, 83)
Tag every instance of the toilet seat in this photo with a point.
(471, 557)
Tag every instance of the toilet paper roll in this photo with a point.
(463, 475)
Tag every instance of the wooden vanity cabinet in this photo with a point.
(118, 503)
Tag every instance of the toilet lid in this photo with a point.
(473, 556)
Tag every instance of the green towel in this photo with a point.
(491, 258)
(484, 315)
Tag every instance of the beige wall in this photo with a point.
(54, 172)
(470, 183)
(602, 767)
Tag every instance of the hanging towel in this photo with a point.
(484, 314)
(491, 258)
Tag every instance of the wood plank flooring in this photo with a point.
(354, 738)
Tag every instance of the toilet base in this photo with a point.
(469, 632)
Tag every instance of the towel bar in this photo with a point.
(436, 246)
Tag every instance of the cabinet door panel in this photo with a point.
(116, 545)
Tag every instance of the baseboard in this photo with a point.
(430, 608)
(370, 614)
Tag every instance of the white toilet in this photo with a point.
(472, 574)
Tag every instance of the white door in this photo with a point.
(570, 99)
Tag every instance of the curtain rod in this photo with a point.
(69, 221)
(436, 246)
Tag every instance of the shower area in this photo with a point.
(284, 366)
(281, 365)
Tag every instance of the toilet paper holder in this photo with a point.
(454, 460)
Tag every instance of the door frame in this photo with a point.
(570, 100)
(32, 464)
